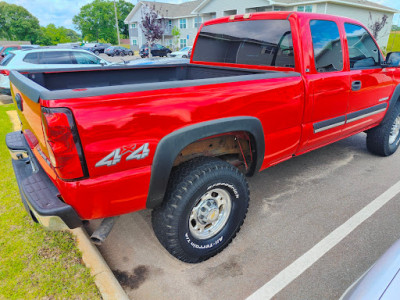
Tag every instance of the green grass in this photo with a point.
(394, 42)
(34, 263)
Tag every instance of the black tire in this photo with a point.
(117, 53)
(130, 53)
(378, 138)
(96, 52)
(122, 53)
(188, 184)
(184, 56)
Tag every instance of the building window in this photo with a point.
(183, 43)
(277, 9)
(308, 8)
(300, 8)
(182, 23)
(197, 22)
(133, 25)
(230, 12)
(134, 42)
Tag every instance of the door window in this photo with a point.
(56, 58)
(328, 54)
(85, 58)
(32, 58)
(363, 51)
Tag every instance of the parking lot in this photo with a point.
(294, 205)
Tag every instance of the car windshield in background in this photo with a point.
(1, 48)
(7, 59)
(185, 49)
(261, 42)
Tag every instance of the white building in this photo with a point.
(188, 16)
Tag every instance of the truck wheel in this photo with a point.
(384, 139)
(203, 209)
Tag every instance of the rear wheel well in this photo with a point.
(236, 148)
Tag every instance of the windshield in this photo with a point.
(185, 49)
(7, 59)
(1, 48)
(259, 43)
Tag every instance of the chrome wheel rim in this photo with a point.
(395, 130)
(210, 214)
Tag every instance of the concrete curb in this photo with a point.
(104, 278)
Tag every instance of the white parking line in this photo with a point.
(294, 270)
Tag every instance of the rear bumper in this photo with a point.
(39, 195)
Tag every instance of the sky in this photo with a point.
(61, 12)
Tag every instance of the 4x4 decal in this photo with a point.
(115, 157)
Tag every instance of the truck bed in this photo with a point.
(73, 83)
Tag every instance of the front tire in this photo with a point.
(384, 139)
(203, 209)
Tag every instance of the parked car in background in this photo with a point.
(381, 281)
(44, 59)
(158, 61)
(156, 50)
(4, 50)
(183, 53)
(96, 48)
(118, 51)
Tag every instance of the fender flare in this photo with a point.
(392, 102)
(172, 144)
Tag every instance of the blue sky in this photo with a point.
(61, 12)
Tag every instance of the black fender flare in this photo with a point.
(172, 144)
(392, 102)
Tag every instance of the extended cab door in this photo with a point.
(328, 84)
(371, 85)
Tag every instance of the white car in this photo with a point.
(183, 53)
(36, 59)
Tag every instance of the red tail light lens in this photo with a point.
(63, 143)
(5, 72)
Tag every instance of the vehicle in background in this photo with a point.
(118, 51)
(4, 50)
(183, 53)
(190, 53)
(158, 61)
(96, 48)
(37, 59)
(156, 50)
(381, 281)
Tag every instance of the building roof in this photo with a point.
(357, 3)
(167, 10)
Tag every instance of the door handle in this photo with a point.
(356, 85)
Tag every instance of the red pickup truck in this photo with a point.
(180, 139)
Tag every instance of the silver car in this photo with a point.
(37, 59)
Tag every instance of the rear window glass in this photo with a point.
(261, 42)
(56, 57)
(32, 58)
(7, 59)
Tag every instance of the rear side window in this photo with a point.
(261, 42)
(10, 49)
(363, 51)
(56, 58)
(85, 58)
(32, 58)
(7, 59)
(328, 53)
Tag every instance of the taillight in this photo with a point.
(5, 72)
(63, 143)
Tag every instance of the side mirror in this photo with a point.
(393, 59)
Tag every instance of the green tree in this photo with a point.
(176, 36)
(96, 20)
(17, 24)
(52, 35)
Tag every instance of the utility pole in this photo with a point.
(116, 23)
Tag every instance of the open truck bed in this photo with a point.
(73, 83)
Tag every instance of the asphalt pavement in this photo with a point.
(293, 206)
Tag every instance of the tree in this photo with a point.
(17, 24)
(176, 36)
(95, 22)
(152, 24)
(52, 35)
(377, 26)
